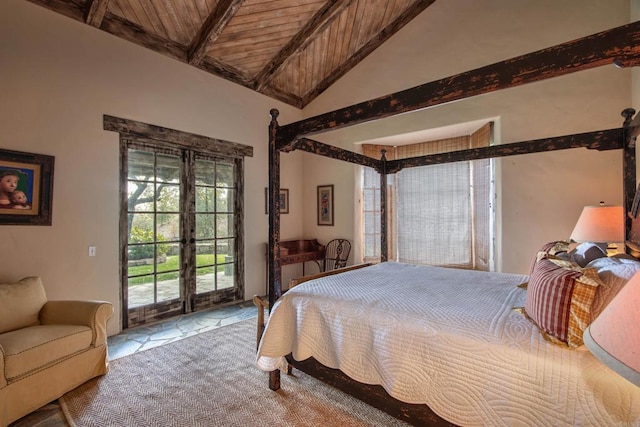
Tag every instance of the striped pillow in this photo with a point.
(551, 248)
(559, 299)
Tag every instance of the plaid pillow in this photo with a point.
(559, 299)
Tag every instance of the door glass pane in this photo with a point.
(168, 198)
(224, 175)
(168, 169)
(141, 228)
(140, 165)
(205, 255)
(205, 199)
(205, 279)
(141, 290)
(224, 225)
(168, 286)
(205, 226)
(205, 171)
(168, 227)
(168, 257)
(224, 200)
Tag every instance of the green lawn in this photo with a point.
(171, 266)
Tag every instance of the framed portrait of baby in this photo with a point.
(26, 188)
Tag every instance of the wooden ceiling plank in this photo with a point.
(319, 22)
(619, 46)
(369, 47)
(357, 17)
(95, 12)
(245, 48)
(280, 8)
(347, 30)
(167, 16)
(228, 37)
(211, 29)
(136, 34)
(141, 16)
(301, 14)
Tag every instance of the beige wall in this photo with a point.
(542, 195)
(58, 78)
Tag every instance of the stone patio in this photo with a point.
(170, 289)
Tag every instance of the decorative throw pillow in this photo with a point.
(556, 248)
(614, 272)
(586, 252)
(559, 299)
(551, 248)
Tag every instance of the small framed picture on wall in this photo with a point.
(284, 200)
(26, 188)
(325, 204)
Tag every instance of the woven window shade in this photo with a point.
(442, 213)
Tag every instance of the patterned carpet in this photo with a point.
(210, 379)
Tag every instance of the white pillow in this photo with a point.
(614, 273)
(586, 252)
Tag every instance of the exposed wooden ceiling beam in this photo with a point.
(96, 10)
(211, 29)
(369, 47)
(318, 23)
(620, 45)
(63, 7)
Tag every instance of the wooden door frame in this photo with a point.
(164, 139)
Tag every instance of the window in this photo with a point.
(439, 214)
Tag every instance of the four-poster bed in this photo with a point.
(619, 46)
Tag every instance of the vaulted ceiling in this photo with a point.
(290, 50)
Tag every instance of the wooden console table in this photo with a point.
(298, 251)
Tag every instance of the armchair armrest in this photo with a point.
(93, 314)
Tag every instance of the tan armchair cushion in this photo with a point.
(33, 348)
(20, 303)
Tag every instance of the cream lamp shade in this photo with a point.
(601, 223)
(614, 337)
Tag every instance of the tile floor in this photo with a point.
(145, 337)
(149, 336)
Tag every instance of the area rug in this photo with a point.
(210, 379)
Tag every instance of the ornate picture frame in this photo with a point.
(325, 204)
(26, 188)
(284, 200)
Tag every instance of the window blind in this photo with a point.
(441, 213)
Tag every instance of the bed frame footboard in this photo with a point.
(373, 395)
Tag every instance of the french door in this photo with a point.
(181, 231)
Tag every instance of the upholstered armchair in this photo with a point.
(47, 348)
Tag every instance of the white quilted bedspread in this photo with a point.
(449, 339)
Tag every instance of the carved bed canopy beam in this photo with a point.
(611, 139)
(599, 140)
(619, 46)
(326, 150)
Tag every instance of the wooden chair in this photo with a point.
(337, 253)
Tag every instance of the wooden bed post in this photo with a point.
(384, 244)
(630, 132)
(275, 286)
